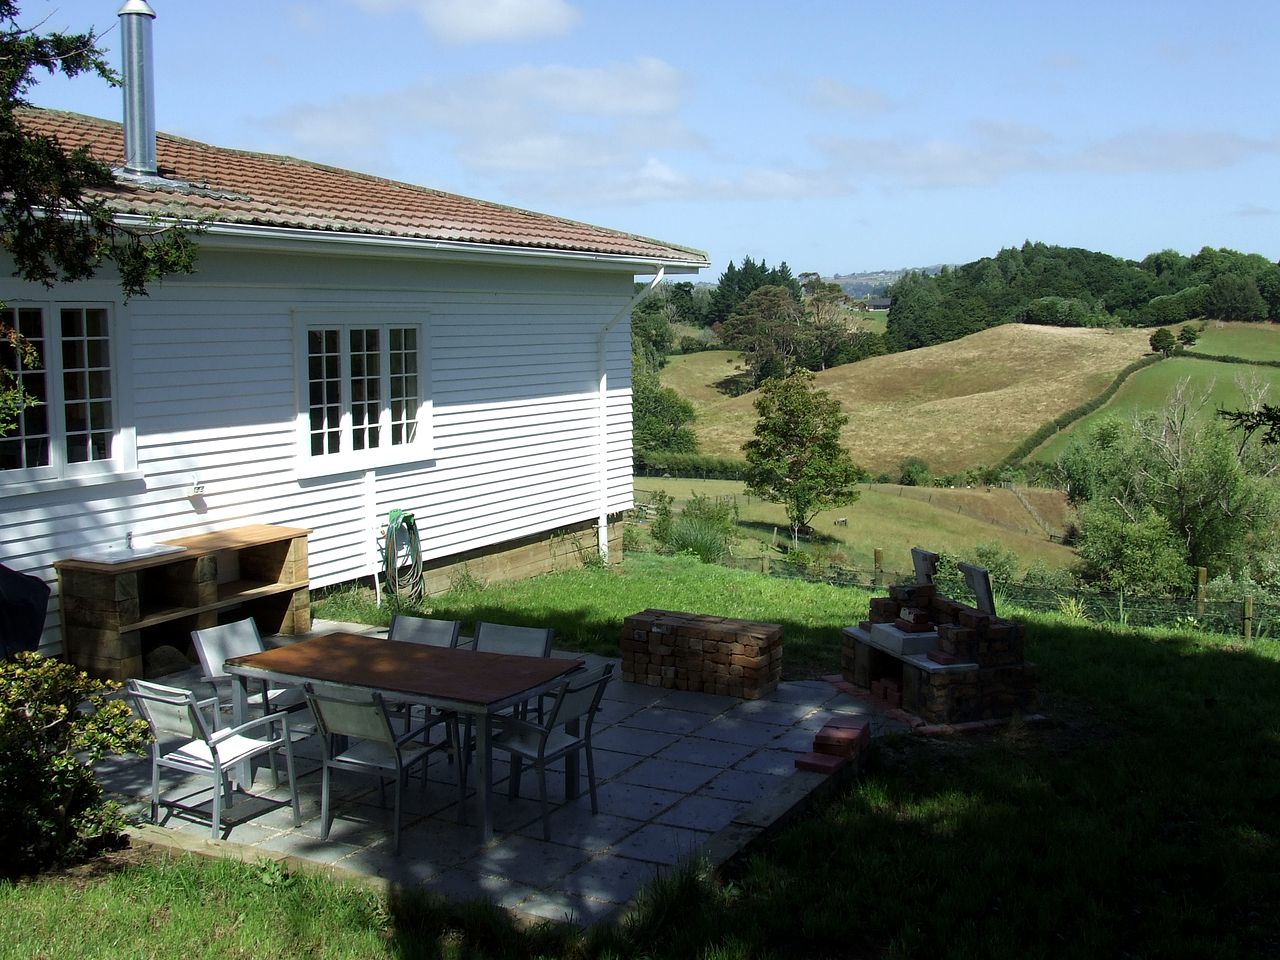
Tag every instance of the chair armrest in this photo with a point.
(515, 723)
(281, 717)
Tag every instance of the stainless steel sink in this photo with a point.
(123, 552)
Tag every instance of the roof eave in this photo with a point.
(301, 240)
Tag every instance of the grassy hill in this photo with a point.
(895, 519)
(1149, 387)
(956, 405)
(1253, 341)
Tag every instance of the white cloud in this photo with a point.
(1174, 151)
(992, 152)
(486, 21)
(1250, 210)
(828, 93)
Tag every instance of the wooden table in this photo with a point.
(472, 684)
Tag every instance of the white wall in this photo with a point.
(513, 372)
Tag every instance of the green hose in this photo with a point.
(404, 580)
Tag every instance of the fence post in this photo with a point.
(877, 563)
(1202, 579)
(1248, 619)
(764, 563)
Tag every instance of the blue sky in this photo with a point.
(839, 137)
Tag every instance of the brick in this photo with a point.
(915, 615)
(820, 763)
(906, 626)
(937, 656)
(859, 726)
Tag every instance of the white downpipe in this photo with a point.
(602, 446)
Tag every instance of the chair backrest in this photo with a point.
(522, 641)
(169, 711)
(215, 645)
(365, 718)
(579, 696)
(432, 633)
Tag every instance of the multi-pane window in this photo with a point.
(364, 388)
(69, 420)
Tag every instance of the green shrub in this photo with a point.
(914, 472)
(55, 723)
(1000, 562)
(704, 539)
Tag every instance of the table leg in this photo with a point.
(484, 781)
(572, 728)
(243, 776)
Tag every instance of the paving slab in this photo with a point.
(662, 843)
(669, 775)
(679, 773)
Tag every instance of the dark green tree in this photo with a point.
(795, 457)
(1188, 336)
(768, 327)
(1162, 341)
(51, 224)
(661, 417)
(1234, 297)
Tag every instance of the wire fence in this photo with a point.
(1249, 618)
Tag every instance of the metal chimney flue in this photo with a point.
(139, 89)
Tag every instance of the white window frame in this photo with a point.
(122, 463)
(347, 459)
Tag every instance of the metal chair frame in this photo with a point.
(577, 698)
(173, 712)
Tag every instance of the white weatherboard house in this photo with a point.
(348, 345)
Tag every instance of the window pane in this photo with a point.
(95, 323)
(75, 386)
(73, 323)
(28, 442)
(324, 391)
(403, 386)
(86, 366)
(366, 388)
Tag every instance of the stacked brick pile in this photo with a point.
(840, 742)
(998, 682)
(688, 651)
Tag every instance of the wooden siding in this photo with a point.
(209, 361)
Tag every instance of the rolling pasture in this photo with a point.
(1225, 385)
(1253, 341)
(895, 519)
(956, 405)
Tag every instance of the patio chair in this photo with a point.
(520, 641)
(373, 749)
(175, 713)
(432, 633)
(215, 645)
(517, 641)
(577, 698)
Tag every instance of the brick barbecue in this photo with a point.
(939, 659)
(689, 651)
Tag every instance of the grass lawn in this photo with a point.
(874, 321)
(893, 519)
(1140, 823)
(1149, 388)
(955, 405)
(1253, 341)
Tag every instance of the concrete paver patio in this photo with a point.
(675, 769)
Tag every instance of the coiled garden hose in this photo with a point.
(402, 557)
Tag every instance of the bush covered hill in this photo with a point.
(1069, 287)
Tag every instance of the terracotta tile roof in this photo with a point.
(239, 187)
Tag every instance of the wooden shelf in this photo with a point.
(108, 609)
